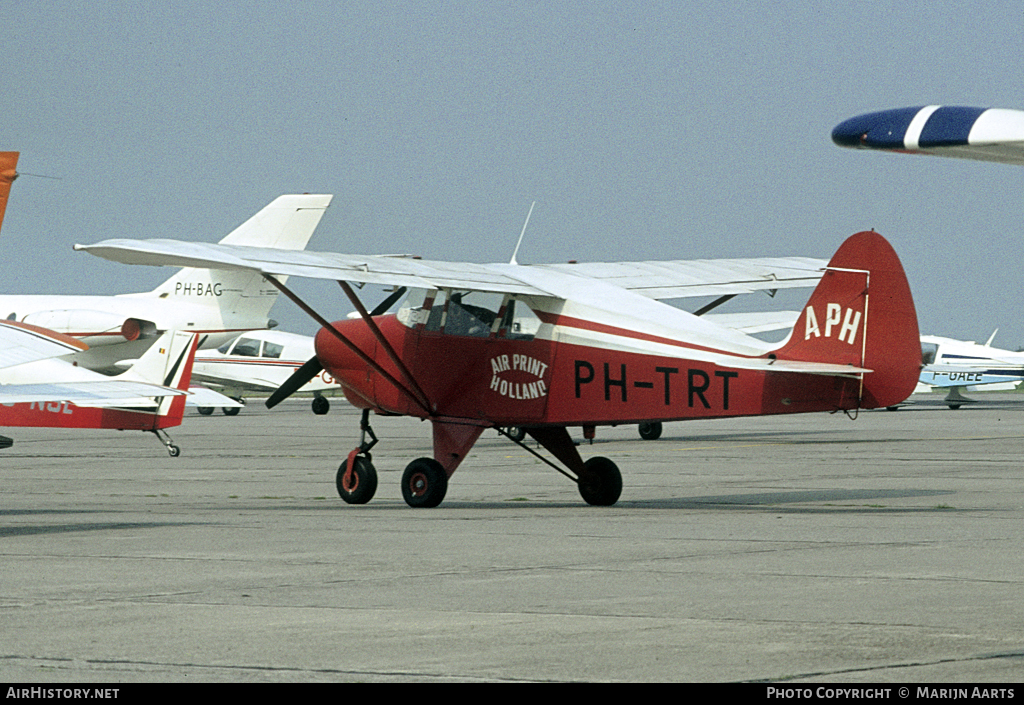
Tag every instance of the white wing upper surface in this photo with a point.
(656, 280)
(20, 344)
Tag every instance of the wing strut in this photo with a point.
(422, 403)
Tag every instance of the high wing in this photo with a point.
(982, 134)
(655, 280)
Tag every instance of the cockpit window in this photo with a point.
(272, 350)
(928, 351)
(469, 313)
(248, 347)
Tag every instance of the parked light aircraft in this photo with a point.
(959, 365)
(260, 361)
(216, 304)
(547, 347)
(38, 388)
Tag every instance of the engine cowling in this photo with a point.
(95, 328)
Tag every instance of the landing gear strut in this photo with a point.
(357, 478)
(161, 435)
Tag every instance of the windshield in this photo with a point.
(473, 314)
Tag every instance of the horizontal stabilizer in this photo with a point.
(98, 393)
(201, 396)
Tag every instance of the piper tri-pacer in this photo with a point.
(549, 347)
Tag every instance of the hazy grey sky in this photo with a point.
(644, 130)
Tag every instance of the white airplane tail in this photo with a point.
(287, 223)
(168, 362)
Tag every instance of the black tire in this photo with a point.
(231, 410)
(173, 451)
(650, 430)
(363, 482)
(321, 406)
(601, 482)
(205, 410)
(516, 433)
(424, 483)
(954, 407)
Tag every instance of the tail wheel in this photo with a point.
(601, 482)
(424, 483)
(361, 484)
(650, 430)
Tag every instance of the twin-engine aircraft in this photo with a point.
(41, 389)
(548, 347)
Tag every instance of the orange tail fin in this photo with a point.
(862, 314)
(8, 162)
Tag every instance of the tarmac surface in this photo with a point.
(793, 549)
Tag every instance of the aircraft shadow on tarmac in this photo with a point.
(827, 500)
(37, 529)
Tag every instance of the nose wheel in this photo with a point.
(357, 479)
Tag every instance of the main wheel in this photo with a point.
(601, 482)
(516, 433)
(954, 407)
(231, 410)
(424, 483)
(321, 406)
(205, 410)
(361, 484)
(650, 430)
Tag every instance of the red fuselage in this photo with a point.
(538, 382)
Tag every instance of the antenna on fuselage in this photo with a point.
(516, 251)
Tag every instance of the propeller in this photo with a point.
(386, 303)
(312, 367)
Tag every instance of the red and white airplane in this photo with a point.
(40, 389)
(548, 347)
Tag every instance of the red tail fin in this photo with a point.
(8, 162)
(862, 314)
